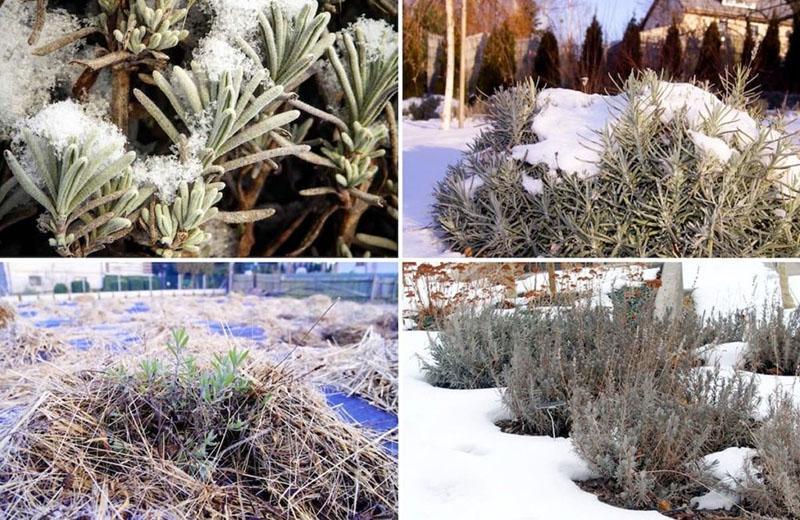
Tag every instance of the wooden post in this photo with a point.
(462, 73)
(375, 290)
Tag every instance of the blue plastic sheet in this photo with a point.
(81, 343)
(137, 308)
(355, 409)
(238, 330)
(51, 323)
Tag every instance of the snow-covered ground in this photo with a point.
(427, 152)
(457, 464)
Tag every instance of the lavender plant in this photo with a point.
(773, 491)
(269, 123)
(704, 177)
(774, 343)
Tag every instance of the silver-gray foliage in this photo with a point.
(656, 195)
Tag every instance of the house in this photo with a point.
(694, 16)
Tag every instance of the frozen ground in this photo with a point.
(458, 465)
(427, 152)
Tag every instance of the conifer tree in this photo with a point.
(767, 63)
(748, 46)
(791, 65)
(498, 67)
(672, 52)
(630, 55)
(709, 63)
(546, 66)
(592, 55)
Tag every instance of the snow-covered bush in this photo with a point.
(210, 102)
(775, 490)
(774, 343)
(474, 347)
(661, 169)
(646, 435)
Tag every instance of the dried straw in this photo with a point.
(367, 368)
(110, 446)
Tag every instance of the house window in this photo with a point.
(35, 281)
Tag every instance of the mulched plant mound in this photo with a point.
(232, 440)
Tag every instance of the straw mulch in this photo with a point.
(21, 343)
(367, 368)
(185, 442)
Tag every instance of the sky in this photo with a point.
(576, 14)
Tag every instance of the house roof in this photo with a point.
(764, 9)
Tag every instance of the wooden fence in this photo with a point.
(362, 287)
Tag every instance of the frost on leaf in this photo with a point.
(166, 173)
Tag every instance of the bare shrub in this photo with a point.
(774, 343)
(776, 491)
(645, 435)
(587, 347)
(474, 347)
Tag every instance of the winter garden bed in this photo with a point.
(649, 415)
(198, 128)
(660, 169)
(155, 407)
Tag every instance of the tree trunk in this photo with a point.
(669, 298)
(462, 72)
(551, 278)
(451, 65)
(786, 292)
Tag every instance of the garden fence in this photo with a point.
(360, 287)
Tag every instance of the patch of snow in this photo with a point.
(471, 185)
(566, 123)
(216, 56)
(531, 185)
(427, 152)
(730, 469)
(28, 80)
(726, 355)
(458, 465)
(712, 146)
(166, 173)
(380, 37)
(728, 287)
(232, 17)
(569, 121)
(66, 122)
